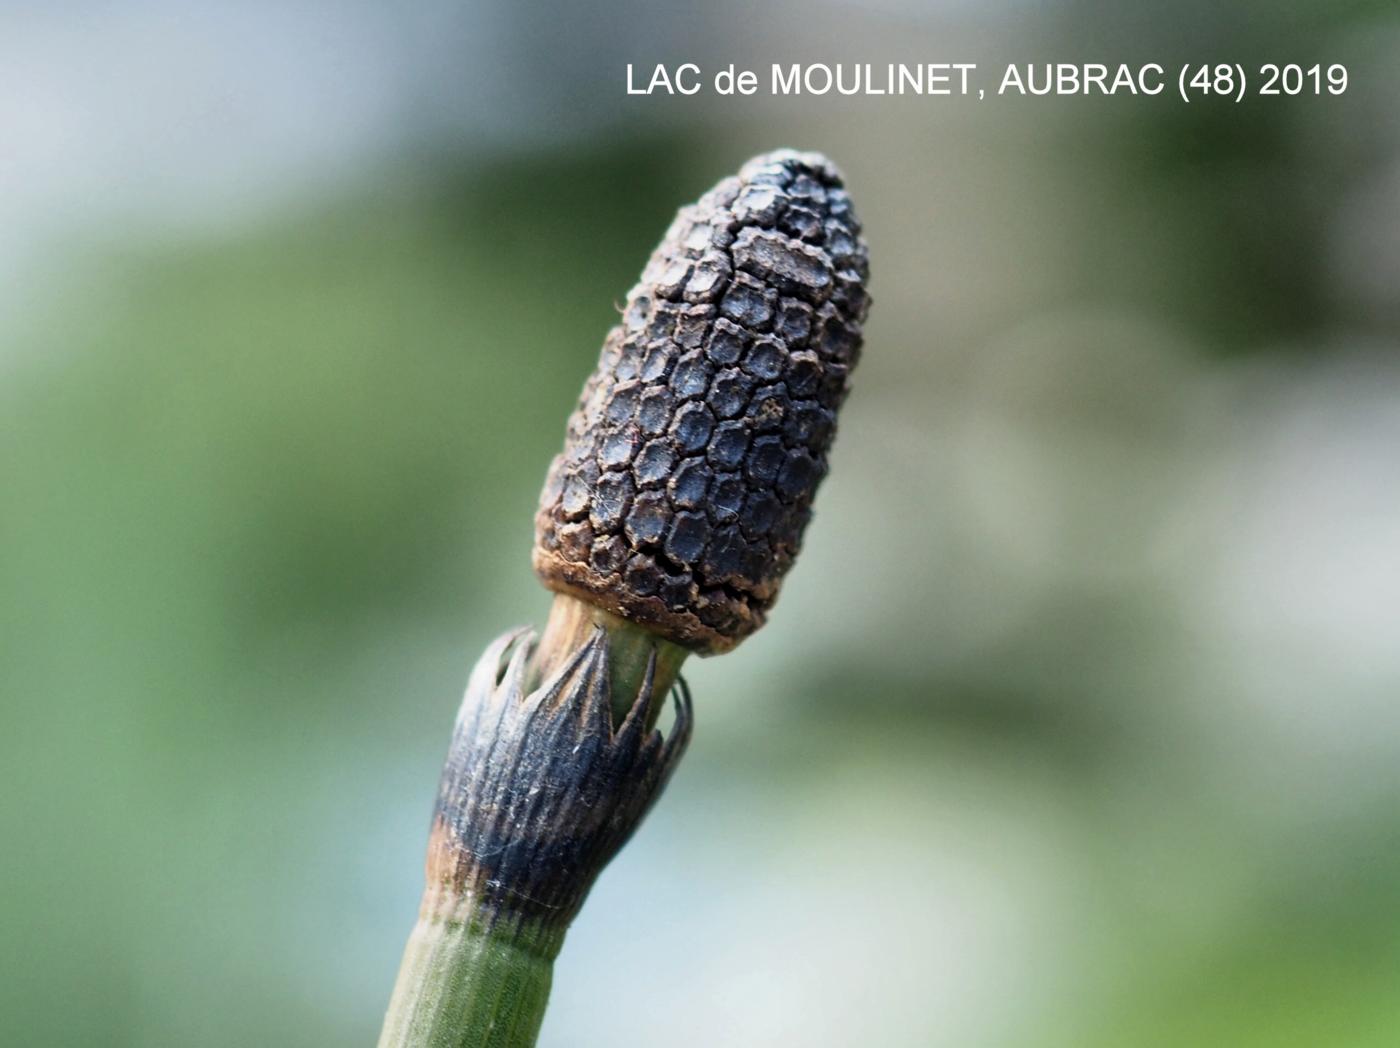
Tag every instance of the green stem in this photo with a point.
(467, 984)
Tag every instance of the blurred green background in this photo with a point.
(1077, 723)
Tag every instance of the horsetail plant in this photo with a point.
(665, 527)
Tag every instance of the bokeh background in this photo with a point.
(1077, 724)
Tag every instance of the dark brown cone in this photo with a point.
(690, 464)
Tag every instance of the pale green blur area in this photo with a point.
(1077, 722)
